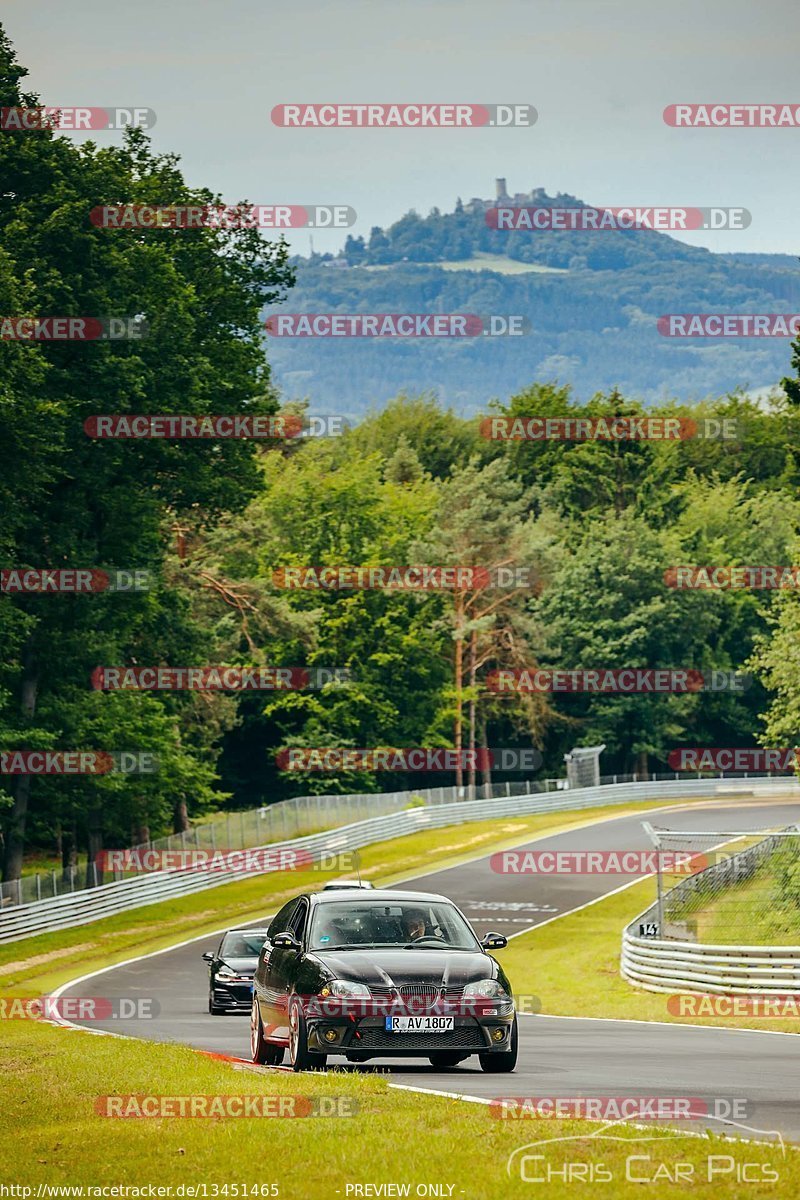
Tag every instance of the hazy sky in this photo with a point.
(599, 72)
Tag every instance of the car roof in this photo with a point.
(361, 896)
(249, 932)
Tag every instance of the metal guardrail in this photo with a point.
(665, 965)
(255, 827)
(81, 908)
(723, 970)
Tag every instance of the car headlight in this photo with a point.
(344, 987)
(486, 987)
(227, 973)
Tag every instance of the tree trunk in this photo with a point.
(180, 817)
(486, 764)
(473, 671)
(459, 678)
(641, 765)
(95, 846)
(69, 853)
(15, 834)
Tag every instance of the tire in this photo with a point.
(261, 1050)
(500, 1062)
(446, 1058)
(300, 1057)
(213, 1008)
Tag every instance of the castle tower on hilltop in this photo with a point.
(500, 189)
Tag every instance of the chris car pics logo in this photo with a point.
(666, 1158)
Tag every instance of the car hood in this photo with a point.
(385, 968)
(242, 966)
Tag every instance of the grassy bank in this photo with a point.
(585, 981)
(53, 1079)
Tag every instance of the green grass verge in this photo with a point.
(752, 913)
(585, 982)
(52, 1080)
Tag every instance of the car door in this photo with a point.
(266, 981)
(284, 965)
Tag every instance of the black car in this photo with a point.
(380, 974)
(231, 968)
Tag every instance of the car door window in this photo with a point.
(281, 921)
(297, 924)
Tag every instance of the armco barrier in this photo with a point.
(664, 965)
(80, 908)
(659, 966)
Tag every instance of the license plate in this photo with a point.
(419, 1024)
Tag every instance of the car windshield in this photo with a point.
(406, 923)
(242, 945)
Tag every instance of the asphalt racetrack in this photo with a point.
(559, 1056)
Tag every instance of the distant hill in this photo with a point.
(592, 300)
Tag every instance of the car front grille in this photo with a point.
(463, 1037)
(416, 989)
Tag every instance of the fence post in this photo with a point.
(38, 886)
(55, 884)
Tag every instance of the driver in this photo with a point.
(414, 924)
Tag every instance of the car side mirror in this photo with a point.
(286, 941)
(494, 941)
(208, 956)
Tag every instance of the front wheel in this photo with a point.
(502, 1061)
(213, 1008)
(261, 1050)
(301, 1058)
